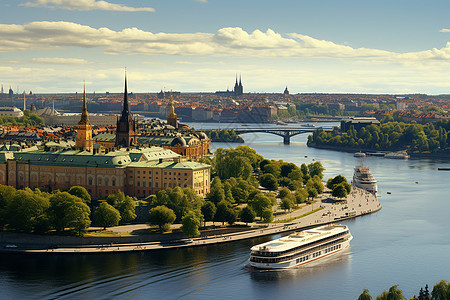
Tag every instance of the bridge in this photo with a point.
(285, 132)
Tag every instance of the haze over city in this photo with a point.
(51, 46)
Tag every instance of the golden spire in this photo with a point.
(172, 109)
(84, 114)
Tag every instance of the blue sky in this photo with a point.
(199, 46)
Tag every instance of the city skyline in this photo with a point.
(50, 46)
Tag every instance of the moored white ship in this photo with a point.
(300, 247)
(363, 178)
(397, 155)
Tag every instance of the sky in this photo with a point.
(321, 46)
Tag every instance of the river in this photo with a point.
(406, 243)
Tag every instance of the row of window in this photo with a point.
(269, 253)
(296, 255)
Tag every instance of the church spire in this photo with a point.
(84, 139)
(84, 114)
(126, 125)
(126, 108)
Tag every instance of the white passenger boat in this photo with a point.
(359, 154)
(363, 178)
(301, 247)
(397, 155)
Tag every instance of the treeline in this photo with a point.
(28, 119)
(307, 109)
(441, 291)
(64, 212)
(388, 136)
(224, 135)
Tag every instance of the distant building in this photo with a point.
(401, 105)
(236, 92)
(138, 172)
(286, 91)
(10, 111)
(358, 123)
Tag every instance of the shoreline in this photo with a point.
(356, 149)
(358, 203)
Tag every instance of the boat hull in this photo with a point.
(296, 262)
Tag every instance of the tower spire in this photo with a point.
(126, 109)
(84, 115)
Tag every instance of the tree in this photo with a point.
(25, 210)
(6, 195)
(316, 168)
(114, 199)
(191, 223)
(318, 184)
(335, 181)
(222, 212)
(340, 191)
(247, 215)
(217, 192)
(365, 295)
(127, 209)
(283, 193)
(441, 291)
(269, 181)
(81, 193)
(394, 293)
(287, 202)
(230, 215)
(267, 215)
(162, 216)
(68, 211)
(259, 203)
(106, 215)
(300, 195)
(208, 210)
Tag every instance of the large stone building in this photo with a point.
(137, 171)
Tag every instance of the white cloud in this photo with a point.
(444, 30)
(226, 42)
(85, 5)
(61, 61)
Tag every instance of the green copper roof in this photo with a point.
(113, 159)
(188, 165)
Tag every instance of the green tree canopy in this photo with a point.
(365, 295)
(441, 291)
(269, 181)
(162, 216)
(267, 215)
(259, 203)
(6, 195)
(25, 210)
(208, 210)
(81, 193)
(394, 293)
(247, 215)
(191, 223)
(106, 215)
(68, 211)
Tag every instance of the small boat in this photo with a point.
(300, 247)
(397, 155)
(359, 154)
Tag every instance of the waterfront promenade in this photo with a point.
(328, 210)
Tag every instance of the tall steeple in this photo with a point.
(126, 109)
(84, 139)
(126, 125)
